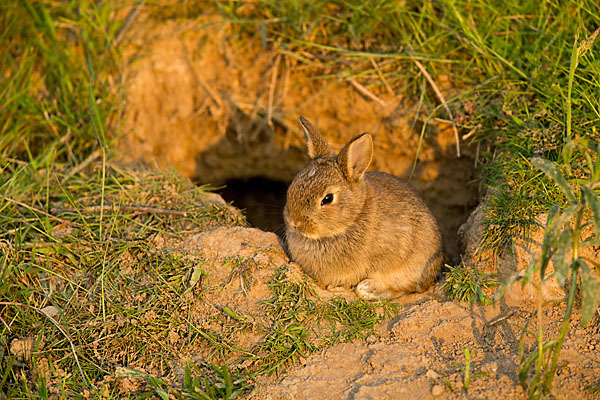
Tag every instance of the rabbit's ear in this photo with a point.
(355, 157)
(317, 145)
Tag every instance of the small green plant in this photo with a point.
(594, 390)
(241, 270)
(467, 284)
(467, 376)
(220, 383)
(159, 386)
(210, 383)
(562, 243)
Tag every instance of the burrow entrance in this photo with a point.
(262, 200)
(256, 169)
(221, 113)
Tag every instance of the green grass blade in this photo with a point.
(590, 296)
(593, 202)
(552, 171)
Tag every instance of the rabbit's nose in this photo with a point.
(296, 223)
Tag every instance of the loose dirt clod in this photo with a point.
(437, 390)
(23, 348)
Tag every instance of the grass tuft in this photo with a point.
(301, 323)
(467, 284)
(51, 97)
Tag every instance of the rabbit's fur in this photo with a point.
(368, 230)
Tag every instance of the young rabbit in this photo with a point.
(368, 230)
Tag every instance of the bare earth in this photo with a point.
(419, 355)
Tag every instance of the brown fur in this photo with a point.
(377, 235)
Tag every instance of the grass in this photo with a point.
(468, 284)
(303, 324)
(83, 289)
(117, 299)
(53, 101)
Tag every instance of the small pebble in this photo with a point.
(51, 311)
(431, 374)
(437, 390)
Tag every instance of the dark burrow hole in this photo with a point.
(262, 200)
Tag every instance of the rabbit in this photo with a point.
(350, 228)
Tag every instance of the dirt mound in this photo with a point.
(218, 109)
(419, 353)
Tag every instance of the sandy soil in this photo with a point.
(419, 355)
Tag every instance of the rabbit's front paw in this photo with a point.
(370, 289)
(336, 289)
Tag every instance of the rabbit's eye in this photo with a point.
(327, 199)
